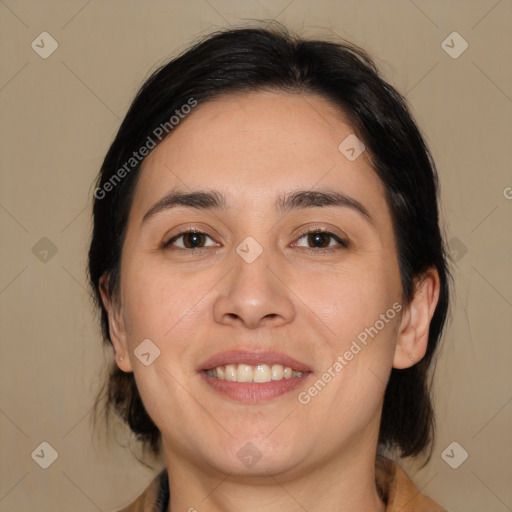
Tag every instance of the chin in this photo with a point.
(263, 458)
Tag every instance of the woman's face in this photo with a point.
(257, 293)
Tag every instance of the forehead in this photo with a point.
(254, 145)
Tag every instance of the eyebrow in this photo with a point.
(214, 200)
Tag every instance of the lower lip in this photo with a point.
(254, 393)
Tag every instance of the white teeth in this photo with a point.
(262, 373)
(230, 372)
(277, 371)
(257, 374)
(244, 373)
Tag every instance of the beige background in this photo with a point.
(59, 116)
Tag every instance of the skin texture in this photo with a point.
(294, 298)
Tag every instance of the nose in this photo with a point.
(254, 296)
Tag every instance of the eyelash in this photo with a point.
(343, 244)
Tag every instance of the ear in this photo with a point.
(412, 339)
(116, 326)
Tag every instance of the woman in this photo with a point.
(267, 258)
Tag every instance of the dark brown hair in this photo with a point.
(249, 59)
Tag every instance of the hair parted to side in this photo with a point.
(270, 58)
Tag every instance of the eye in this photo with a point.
(316, 239)
(320, 239)
(190, 240)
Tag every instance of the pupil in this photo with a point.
(192, 239)
(318, 238)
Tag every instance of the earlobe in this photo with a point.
(412, 338)
(116, 326)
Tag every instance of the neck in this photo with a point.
(342, 483)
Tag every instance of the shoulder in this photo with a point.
(400, 492)
(150, 497)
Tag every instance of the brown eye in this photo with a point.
(189, 240)
(321, 240)
(318, 239)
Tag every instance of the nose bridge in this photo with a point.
(253, 294)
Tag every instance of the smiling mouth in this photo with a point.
(255, 374)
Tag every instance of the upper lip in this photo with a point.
(253, 358)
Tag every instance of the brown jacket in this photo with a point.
(398, 491)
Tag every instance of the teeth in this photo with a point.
(248, 373)
(277, 371)
(262, 374)
(230, 372)
(244, 373)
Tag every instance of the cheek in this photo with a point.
(161, 388)
(156, 301)
(348, 299)
(167, 310)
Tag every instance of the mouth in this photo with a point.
(253, 377)
(254, 374)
